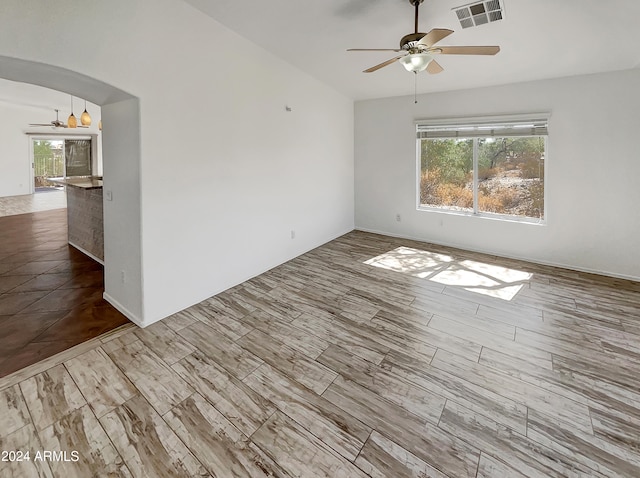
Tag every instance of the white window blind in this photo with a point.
(483, 129)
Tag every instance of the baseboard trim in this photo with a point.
(124, 311)
(506, 256)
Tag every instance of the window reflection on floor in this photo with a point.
(482, 278)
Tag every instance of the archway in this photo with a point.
(121, 172)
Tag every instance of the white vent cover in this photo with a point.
(479, 13)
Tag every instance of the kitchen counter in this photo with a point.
(85, 214)
(81, 182)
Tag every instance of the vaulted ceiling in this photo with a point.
(538, 39)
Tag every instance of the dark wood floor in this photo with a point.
(50, 293)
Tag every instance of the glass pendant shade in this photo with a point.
(416, 62)
(85, 118)
(72, 122)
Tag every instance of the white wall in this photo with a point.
(226, 173)
(593, 169)
(122, 216)
(20, 105)
(15, 169)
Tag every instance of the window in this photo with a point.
(48, 161)
(77, 154)
(484, 167)
(55, 156)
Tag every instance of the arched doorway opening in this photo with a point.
(121, 172)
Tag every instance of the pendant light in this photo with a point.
(72, 122)
(85, 118)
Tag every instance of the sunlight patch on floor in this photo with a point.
(479, 277)
(411, 261)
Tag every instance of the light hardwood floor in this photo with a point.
(369, 356)
(40, 201)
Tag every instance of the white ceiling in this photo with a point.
(538, 39)
(31, 96)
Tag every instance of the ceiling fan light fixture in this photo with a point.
(417, 47)
(416, 62)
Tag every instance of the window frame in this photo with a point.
(480, 121)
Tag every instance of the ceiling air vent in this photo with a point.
(479, 13)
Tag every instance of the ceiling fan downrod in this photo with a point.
(408, 40)
(416, 3)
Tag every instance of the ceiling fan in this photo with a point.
(55, 123)
(418, 49)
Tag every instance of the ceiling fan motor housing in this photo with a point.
(409, 41)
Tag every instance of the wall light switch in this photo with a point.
(108, 195)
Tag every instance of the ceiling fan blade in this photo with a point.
(434, 67)
(467, 50)
(374, 49)
(40, 124)
(434, 36)
(382, 65)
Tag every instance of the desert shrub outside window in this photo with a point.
(486, 167)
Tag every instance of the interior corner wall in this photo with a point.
(121, 208)
(239, 153)
(221, 202)
(226, 172)
(592, 171)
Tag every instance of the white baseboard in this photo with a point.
(122, 309)
(506, 256)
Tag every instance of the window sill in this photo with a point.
(485, 215)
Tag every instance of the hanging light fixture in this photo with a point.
(85, 118)
(416, 62)
(72, 122)
(100, 125)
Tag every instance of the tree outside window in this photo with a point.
(484, 174)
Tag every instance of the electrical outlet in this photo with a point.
(108, 195)
(123, 277)
(398, 217)
(293, 234)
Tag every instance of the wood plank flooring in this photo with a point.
(369, 356)
(50, 293)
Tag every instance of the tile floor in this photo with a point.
(40, 201)
(369, 356)
(50, 293)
